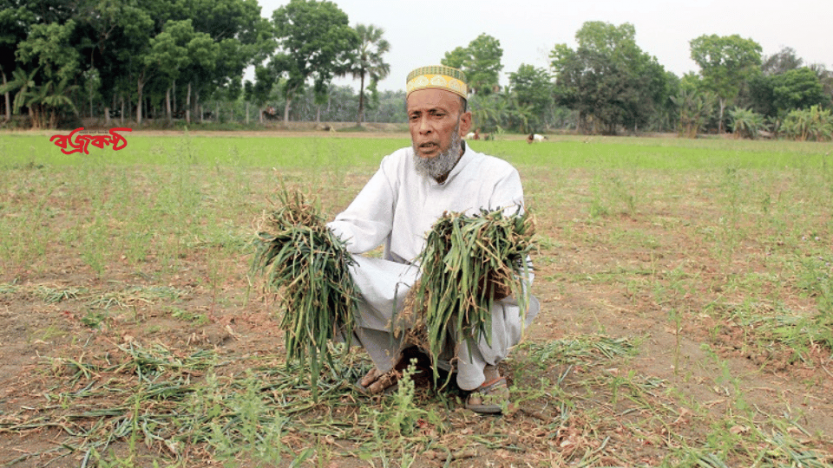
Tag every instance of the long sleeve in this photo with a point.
(508, 193)
(368, 221)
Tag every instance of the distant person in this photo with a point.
(413, 187)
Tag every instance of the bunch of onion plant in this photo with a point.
(468, 263)
(307, 265)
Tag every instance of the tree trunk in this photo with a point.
(318, 115)
(260, 111)
(139, 87)
(722, 103)
(121, 112)
(8, 101)
(361, 103)
(217, 111)
(168, 103)
(107, 116)
(188, 105)
(174, 95)
(198, 106)
(91, 103)
(247, 112)
(286, 110)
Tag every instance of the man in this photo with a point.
(411, 190)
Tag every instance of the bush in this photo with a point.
(813, 124)
(746, 123)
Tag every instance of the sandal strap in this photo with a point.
(487, 387)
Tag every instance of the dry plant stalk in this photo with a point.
(466, 260)
(308, 264)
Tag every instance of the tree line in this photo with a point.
(608, 85)
(185, 59)
(62, 59)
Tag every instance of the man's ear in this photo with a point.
(465, 123)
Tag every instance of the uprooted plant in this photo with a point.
(308, 265)
(468, 263)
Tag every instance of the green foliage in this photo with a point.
(23, 83)
(608, 79)
(532, 87)
(775, 95)
(129, 51)
(399, 418)
(725, 63)
(797, 89)
(809, 124)
(484, 65)
(759, 95)
(746, 123)
(694, 110)
(48, 46)
(316, 43)
(481, 61)
(367, 60)
(57, 63)
(489, 113)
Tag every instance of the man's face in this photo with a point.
(433, 115)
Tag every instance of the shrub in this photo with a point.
(809, 124)
(746, 123)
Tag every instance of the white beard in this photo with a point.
(444, 162)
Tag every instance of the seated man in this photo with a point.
(410, 191)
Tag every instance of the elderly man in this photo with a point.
(410, 191)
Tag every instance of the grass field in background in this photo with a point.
(687, 317)
(322, 151)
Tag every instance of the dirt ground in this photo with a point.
(703, 361)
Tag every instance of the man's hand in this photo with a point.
(495, 288)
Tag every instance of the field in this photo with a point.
(686, 289)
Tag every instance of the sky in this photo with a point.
(420, 32)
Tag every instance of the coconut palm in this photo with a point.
(367, 60)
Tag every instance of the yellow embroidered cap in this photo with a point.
(438, 76)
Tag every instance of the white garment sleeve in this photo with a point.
(508, 193)
(368, 221)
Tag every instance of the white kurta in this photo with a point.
(397, 208)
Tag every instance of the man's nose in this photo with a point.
(424, 126)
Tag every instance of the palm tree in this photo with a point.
(23, 83)
(45, 102)
(367, 60)
(55, 99)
